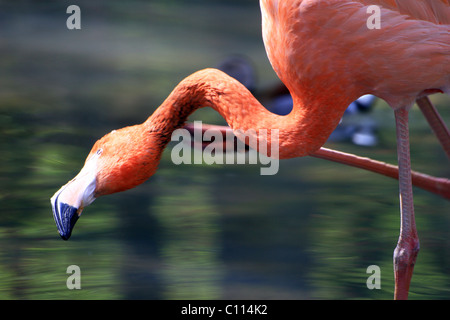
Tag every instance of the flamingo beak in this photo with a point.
(69, 201)
(65, 217)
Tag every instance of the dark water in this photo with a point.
(191, 231)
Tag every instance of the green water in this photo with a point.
(191, 231)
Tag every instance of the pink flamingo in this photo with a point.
(310, 46)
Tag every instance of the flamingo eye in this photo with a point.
(99, 151)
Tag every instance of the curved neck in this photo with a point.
(300, 133)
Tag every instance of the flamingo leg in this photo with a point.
(436, 123)
(405, 253)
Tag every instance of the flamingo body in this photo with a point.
(311, 45)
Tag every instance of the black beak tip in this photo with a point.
(65, 236)
(65, 216)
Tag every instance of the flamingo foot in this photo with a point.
(405, 255)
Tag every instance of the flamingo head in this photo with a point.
(119, 161)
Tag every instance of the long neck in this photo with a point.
(300, 133)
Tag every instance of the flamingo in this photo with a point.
(310, 46)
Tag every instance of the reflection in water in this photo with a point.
(189, 250)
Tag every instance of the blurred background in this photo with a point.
(191, 231)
